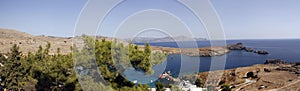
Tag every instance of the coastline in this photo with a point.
(193, 52)
(275, 75)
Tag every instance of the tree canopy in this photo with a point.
(42, 71)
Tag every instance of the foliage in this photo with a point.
(159, 86)
(174, 88)
(112, 58)
(144, 60)
(225, 87)
(41, 71)
(198, 82)
(2, 58)
(14, 78)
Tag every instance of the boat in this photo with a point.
(134, 81)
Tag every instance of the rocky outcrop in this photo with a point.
(263, 52)
(240, 46)
(237, 46)
(267, 70)
(297, 64)
(207, 52)
(284, 66)
(202, 52)
(249, 49)
(295, 69)
(274, 61)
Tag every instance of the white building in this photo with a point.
(1, 65)
(188, 86)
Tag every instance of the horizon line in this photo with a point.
(66, 36)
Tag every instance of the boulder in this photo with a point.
(297, 63)
(267, 70)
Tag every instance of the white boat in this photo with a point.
(134, 81)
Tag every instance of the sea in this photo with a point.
(180, 65)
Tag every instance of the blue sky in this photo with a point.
(241, 19)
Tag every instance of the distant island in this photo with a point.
(162, 39)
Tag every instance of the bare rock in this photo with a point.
(237, 46)
(249, 49)
(262, 52)
(274, 61)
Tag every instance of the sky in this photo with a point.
(241, 19)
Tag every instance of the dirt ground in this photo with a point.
(268, 77)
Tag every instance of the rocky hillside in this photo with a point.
(29, 43)
(274, 75)
(8, 33)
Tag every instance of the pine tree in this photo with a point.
(225, 87)
(159, 86)
(46, 51)
(198, 82)
(40, 71)
(2, 58)
(13, 71)
(147, 50)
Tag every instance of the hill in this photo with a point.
(8, 33)
(30, 43)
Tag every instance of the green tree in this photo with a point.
(46, 51)
(40, 71)
(147, 50)
(174, 88)
(2, 58)
(159, 86)
(198, 82)
(225, 87)
(13, 71)
(39, 54)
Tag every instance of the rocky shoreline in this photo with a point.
(203, 52)
(208, 51)
(240, 46)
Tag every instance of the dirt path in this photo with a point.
(278, 89)
(246, 83)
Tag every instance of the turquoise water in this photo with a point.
(288, 50)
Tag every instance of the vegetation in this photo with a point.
(198, 82)
(144, 60)
(41, 71)
(174, 88)
(225, 87)
(159, 86)
(38, 71)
